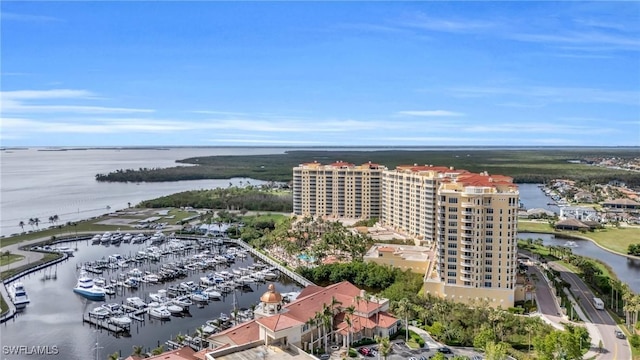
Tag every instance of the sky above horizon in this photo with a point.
(443, 73)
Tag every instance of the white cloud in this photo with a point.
(429, 113)
(27, 17)
(424, 22)
(18, 102)
(552, 94)
(45, 94)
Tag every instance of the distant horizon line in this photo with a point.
(166, 147)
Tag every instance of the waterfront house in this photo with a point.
(624, 204)
(579, 213)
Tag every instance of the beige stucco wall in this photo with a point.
(504, 298)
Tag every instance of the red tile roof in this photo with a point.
(241, 334)
(472, 179)
(279, 322)
(184, 353)
(341, 164)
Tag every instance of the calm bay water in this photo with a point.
(45, 183)
(54, 316)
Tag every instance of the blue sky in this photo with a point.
(320, 73)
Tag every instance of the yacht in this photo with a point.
(100, 312)
(174, 309)
(87, 288)
(114, 308)
(18, 295)
(160, 296)
(120, 320)
(160, 312)
(182, 301)
(212, 293)
(136, 303)
(199, 296)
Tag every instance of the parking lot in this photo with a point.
(400, 351)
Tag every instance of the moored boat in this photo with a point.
(87, 288)
(18, 295)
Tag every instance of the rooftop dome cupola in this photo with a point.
(271, 300)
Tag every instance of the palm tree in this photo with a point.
(200, 332)
(55, 218)
(349, 310)
(50, 219)
(347, 319)
(403, 309)
(31, 222)
(157, 351)
(21, 224)
(114, 356)
(36, 221)
(310, 323)
(384, 346)
(137, 350)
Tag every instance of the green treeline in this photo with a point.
(233, 198)
(634, 249)
(377, 278)
(525, 166)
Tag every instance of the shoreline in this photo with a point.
(579, 237)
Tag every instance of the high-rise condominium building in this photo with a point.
(470, 219)
(337, 190)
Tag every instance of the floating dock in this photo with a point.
(105, 324)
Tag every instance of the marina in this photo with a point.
(204, 287)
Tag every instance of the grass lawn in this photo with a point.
(4, 260)
(47, 257)
(3, 305)
(613, 238)
(85, 226)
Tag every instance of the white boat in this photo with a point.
(268, 275)
(87, 288)
(18, 295)
(99, 312)
(224, 317)
(114, 308)
(160, 312)
(100, 281)
(182, 301)
(212, 293)
(120, 320)
(160, 296)
(136, 302)
(188, 286)
(63, 249)
(151, 278)
(199, 296)
(174, 309)
(136, 273)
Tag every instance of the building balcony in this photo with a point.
(466, 263)
(466, 242)
(465, 227)
(467, 212)
(466, 272)
(466, 257)
(468, 204)
(466, 278)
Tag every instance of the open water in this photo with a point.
(54, 316)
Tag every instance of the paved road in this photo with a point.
(547, 304)
(614, 348)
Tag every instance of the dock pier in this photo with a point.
(105, 324)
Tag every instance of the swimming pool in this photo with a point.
(305, 257)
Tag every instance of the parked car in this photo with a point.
(620, 334)
(445, 350)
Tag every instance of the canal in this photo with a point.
(54, 317)
(627, 270)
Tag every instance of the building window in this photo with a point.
(453, 200)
